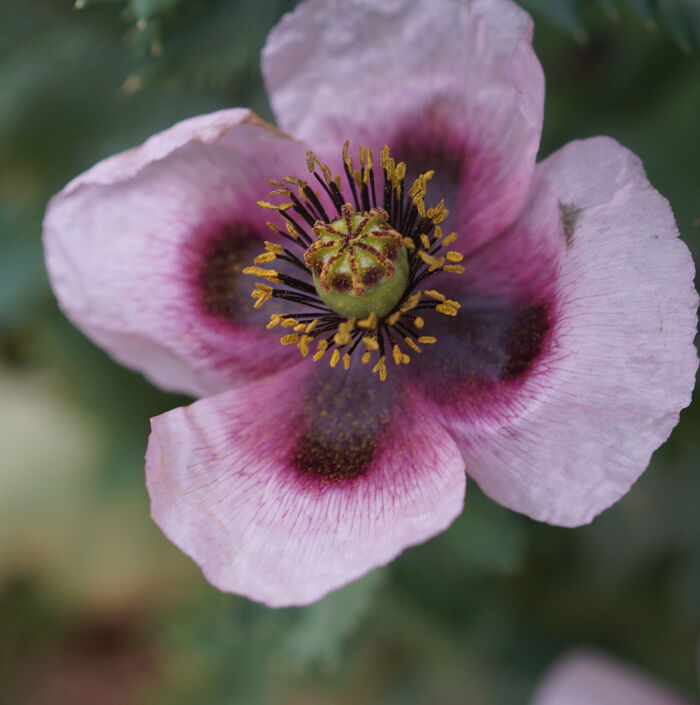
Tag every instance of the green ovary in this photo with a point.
(379, 299)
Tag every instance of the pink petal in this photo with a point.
(450, 85)
(585, 677)
(287, 488)
(490, 362)
(621, 364)
(143, 251)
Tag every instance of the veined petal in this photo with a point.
(487, 363)
(287, 488)
(585, 677)
(621, 363)
(449, 85)
(144, 251)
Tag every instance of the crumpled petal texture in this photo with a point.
(451, 85)
(224, 488)
(566, 367)
(125, 243)
(622, 363)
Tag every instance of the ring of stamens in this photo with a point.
(400, 215)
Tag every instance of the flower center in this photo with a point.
(359, 263)
(357, 281)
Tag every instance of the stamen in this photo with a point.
(366, 239)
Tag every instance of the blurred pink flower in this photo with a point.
(585, 677)
(563, 361)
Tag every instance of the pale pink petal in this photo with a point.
(586, 677)
(144, 251)
(620, 363)
(485, 368)
(449, 85)
(287, 488)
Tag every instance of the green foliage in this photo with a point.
(321, 631)
(679, 18)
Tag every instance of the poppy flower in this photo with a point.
(415, 301)
(586, 677)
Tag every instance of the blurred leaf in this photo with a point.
(678, 18)
(322, 629)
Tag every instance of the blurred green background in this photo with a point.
(97, 607)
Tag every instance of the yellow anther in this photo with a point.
(273, 227)
(273, 207)
(269, 274)
(446, 309)
(399, 174)
(411, 344)
(440, 216)
(312, 325)
(320, 350)
(346, 147)
(291, 229)
(366, 357)
(418, 322)
(384, 156)
(433, 262)
(275, 319)
(425, 241)
(299, 183)
(310, 161)
(434, 294)
(342, 337)
(449, 239)
(411, 302)
(380, 368)
(289, 339)
(371, 343)
(410, 245)
(346, 361)
(282, 191)
(300, 328)
(368, 165)
(454, 268)
(265, 258)
(274, 247)
(427, 339)
(438, 213)
(394, 318)
(304, 345)
(397, 354)
(454, 256)
(369, 323)
(261, 292)
(289, 322)
(335, 357)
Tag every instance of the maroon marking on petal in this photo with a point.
(524, 339)
(346, 458)
(226, 250)
(346, 416)
(483, 352)
(430, 143)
